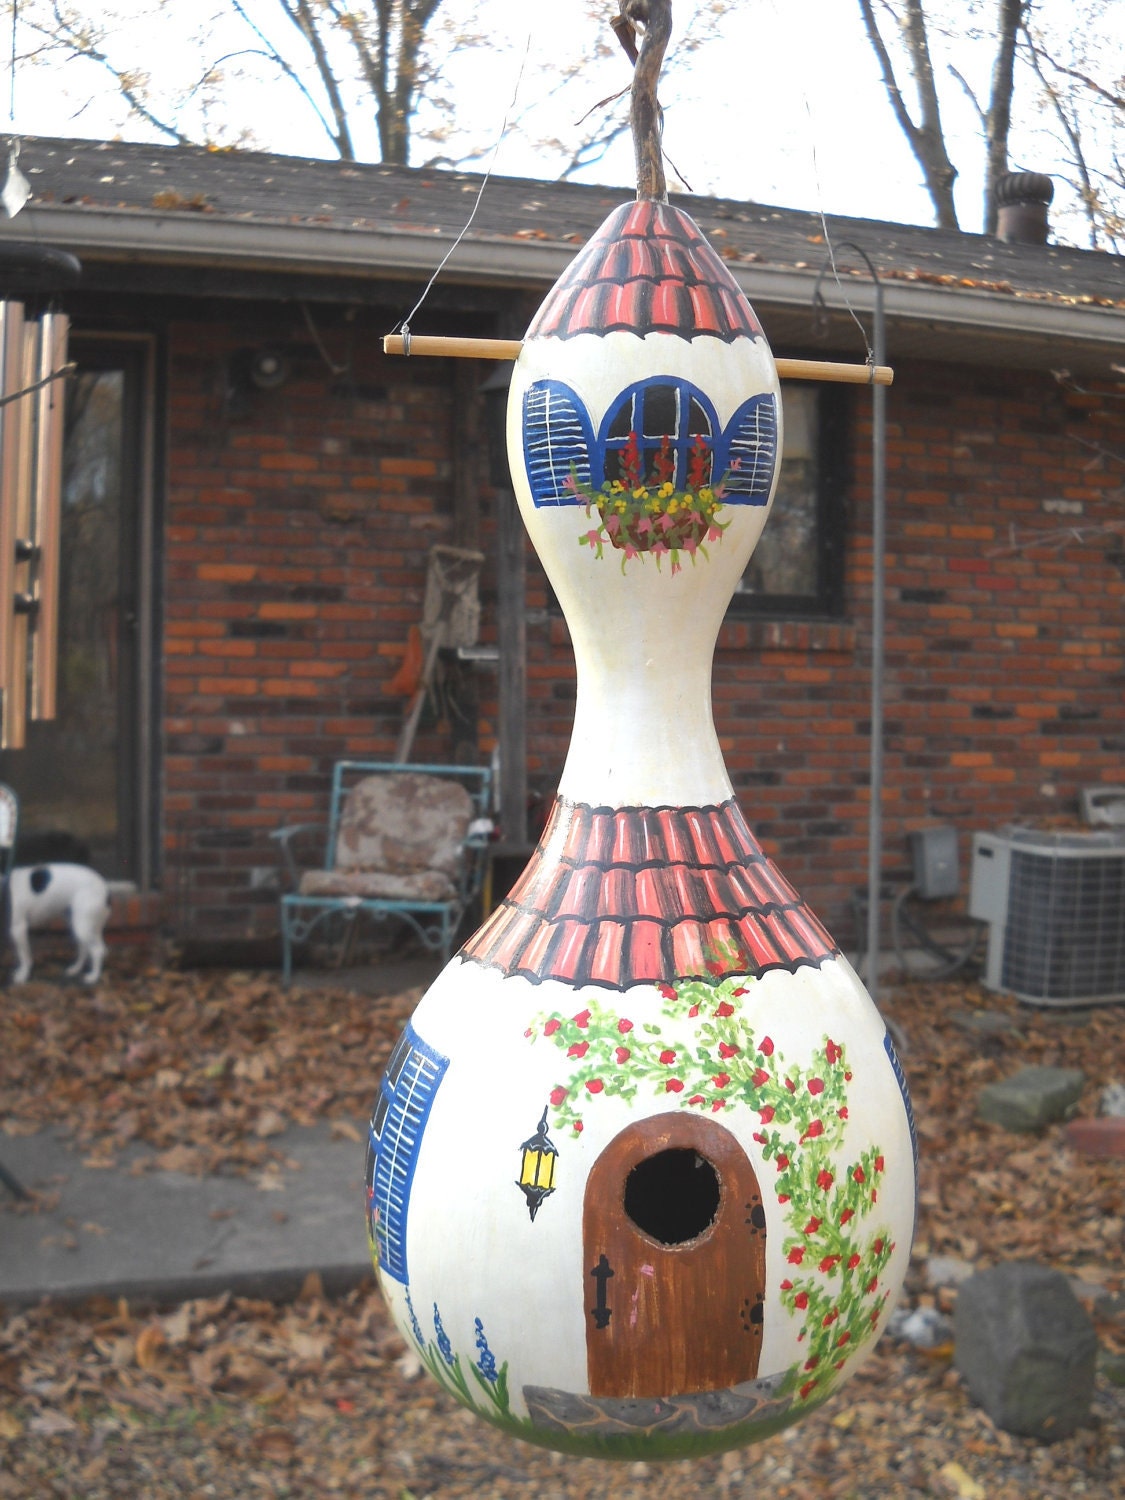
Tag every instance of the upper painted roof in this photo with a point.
(648, 269)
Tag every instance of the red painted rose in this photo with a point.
(674, 1086)
(595, 1085)
(832, 1052)
(760, 1077)
(582, 1019)
(824, 1180)
(766, 1114)
(815, 1129)
(782, 1162)
(622, 1054)
(727, 1050)
(667, 1056)
(796, 1255)
(801, 1300)
(816, 1085)
(558, 1095)
(551, 1026)
(853, 1261)
(813, 1225)
(829, 1262)
(790, 1085)
(765, 1046)
(860, 1175)
(880, 1164)
(624, 1026)
(579, 1049)
(721, 1080)
(724, 1008)
(849, 1213)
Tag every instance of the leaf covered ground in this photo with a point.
(232, 1398)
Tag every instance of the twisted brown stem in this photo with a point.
(655, 16)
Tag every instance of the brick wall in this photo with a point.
(297, 528)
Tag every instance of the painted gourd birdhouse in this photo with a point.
(641, 1170)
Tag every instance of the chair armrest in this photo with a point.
(284, 837)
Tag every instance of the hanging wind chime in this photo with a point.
(703, 1234)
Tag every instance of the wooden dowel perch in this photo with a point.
(787, 369)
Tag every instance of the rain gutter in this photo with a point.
(142, 237)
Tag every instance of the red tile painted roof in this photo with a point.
(648, 269)
(636, 895)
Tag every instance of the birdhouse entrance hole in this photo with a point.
(673, 1196)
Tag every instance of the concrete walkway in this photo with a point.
(165, 1236)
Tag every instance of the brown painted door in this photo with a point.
(675, 1242)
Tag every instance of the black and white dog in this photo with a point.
(38, 894)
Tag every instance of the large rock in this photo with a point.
(1031, 1098)
(1026, 1349)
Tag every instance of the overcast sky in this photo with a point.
(788, 108)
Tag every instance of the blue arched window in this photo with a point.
(670, 419)
(557, 439)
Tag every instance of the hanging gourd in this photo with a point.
(640, 1178)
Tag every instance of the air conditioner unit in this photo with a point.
(1055, 905)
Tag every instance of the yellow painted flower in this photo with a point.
(640, 494)
(666, 489)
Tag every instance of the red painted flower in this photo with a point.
(849, 1213)
(694, 1011)
(801, 1300)
(667, 991)
(782, 1162)
(790, 1085)
(582, 1019)
(674, 1086)
(762, 1140)
(808, 1386)
(872, 1284)
(830, 1318)
(880, 1164)
(667, 1056)
(813, 1225)
(558, 1095)
(625, 1026)
(815, 1129)
(697, 1099)
(847, 1077)
(528, 1031)
(724, 1008)
(551, 1026)
(830, 1262)
(796, 1255)
(622, 1054)
(832, 1052)
(718, 1105)
(783, 1197)
(595, 1085)
(765, 1046)
(578, 1127)
(824, 1179)
(760, 1077)
(812, 1361)
(740, 991)
(787, 1285)
(579, 1049)
(816, 1085)
(843, 1111)
(853, 1261)
(713, 968)
(721, 1080)
(860, 1175)
(727, 1050)
(766, 1114)
(878, 1247)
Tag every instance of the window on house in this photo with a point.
(83, 773)
(797, 565)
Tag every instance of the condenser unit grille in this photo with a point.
(1056, 908)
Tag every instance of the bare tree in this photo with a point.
(924, 132)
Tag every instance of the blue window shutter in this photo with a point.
(556, 437)
(900, 1078)
(750, 441)
(394, 1142)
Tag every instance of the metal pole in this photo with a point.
(878, 620)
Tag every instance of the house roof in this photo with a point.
(643, 895)
(128, 203)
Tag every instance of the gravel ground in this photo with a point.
(236, 1398)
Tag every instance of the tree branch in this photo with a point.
(656, 18)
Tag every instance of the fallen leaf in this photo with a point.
(149, 1344)
(964, 1486)
(270, 1122)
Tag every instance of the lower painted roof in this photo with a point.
(640, 895)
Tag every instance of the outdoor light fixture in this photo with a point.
(537, 1171)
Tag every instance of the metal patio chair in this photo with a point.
(403, 841)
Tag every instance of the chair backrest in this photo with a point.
(403, 822)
